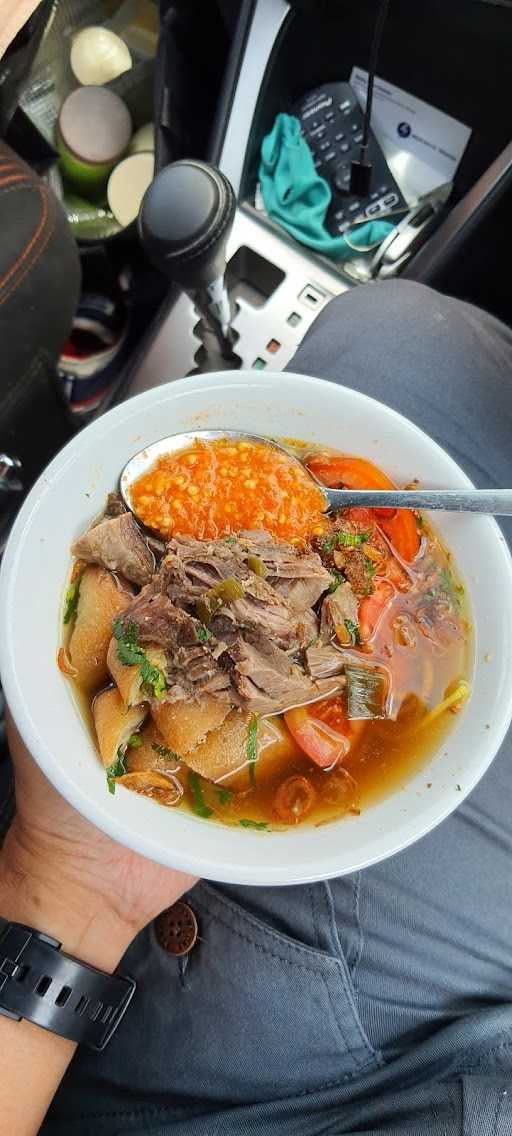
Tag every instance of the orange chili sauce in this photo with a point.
(220, 487)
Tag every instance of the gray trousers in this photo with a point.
(381, 1002)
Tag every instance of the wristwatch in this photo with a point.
(56, 991)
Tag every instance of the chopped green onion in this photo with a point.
(163, 751)
(71, 601)
(153, 679)
(345, 540)
(199, 806)
(202, 634)
(353, 631)
(337, 579)
(252, 747)
(246, 823)
(225, 796)
(352, 540)
(131, 654)
(134, 741)
(117, 768)
(127, 633)
(453, 590)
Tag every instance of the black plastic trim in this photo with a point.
(230, 81)
(437, 255)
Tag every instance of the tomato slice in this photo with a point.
(402, 532)
(372, 609)
(342, 469)
(399, 525)
(322, 730)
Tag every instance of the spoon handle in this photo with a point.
(497, 502)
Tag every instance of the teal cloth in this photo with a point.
(298, 198)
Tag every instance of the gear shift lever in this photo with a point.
(184, 223)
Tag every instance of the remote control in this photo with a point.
(332, 124)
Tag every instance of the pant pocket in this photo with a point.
(252, 1016)
(262, 1016)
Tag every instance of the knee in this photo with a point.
(386, 303)
(393, 321)
(400, 326)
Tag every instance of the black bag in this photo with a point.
(39, 290)
(193, 48)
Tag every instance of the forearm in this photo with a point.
(67, 879)
(33, 1060)
(13, 15)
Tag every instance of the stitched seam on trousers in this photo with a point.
(337, 962)
(330, 914)
(333, 921)
(267, 950)
(183, 1111)
(144, 1110)
(485, 1056)
(448, 1114)
(312, 901)
(319, 974)
(346, 978)
(497, 1111)
(34, 238)
(213, 896)
(359, 954)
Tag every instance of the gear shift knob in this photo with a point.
(184, 223)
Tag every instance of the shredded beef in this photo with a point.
(336, 608)
(241, 656)
(115, 506)
(324, 662)
(117, 544)
(191, 666)
(191, 568)
(300, 578)
(266, 680)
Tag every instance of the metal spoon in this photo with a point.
(497, 502)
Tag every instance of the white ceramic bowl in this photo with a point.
(72, 491)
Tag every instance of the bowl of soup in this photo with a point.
(235, 682)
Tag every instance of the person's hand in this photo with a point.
(13, 16)
(56, 867)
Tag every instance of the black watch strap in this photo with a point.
(70, 998)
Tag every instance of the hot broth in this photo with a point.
(182, 663)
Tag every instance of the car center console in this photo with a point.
(281, 51)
